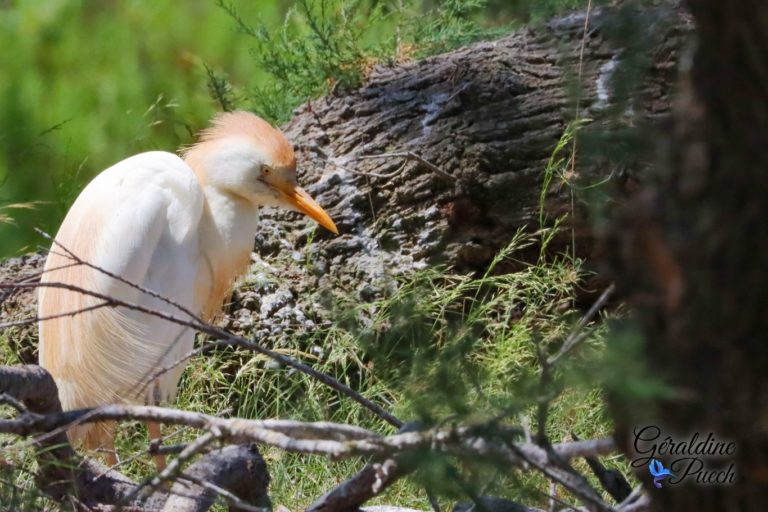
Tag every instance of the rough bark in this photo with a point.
(488, 116)
(692, 250)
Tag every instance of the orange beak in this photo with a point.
(303, 202)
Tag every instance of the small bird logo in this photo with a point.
(659, 472)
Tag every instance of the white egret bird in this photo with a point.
(183, 228)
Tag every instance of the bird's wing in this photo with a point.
(138, 220)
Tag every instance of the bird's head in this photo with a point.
(243, 156)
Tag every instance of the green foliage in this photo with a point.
(220, 89)
(450, 25)
(17, 486)
(319, 42)
(326, 45)
(80, 91)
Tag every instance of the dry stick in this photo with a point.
(218, 333)
(577, 336)
(304, 437)
(330, 160)
(407, 155)
(370, 173)
(576, 484)
(74, 312)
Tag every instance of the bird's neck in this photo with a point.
(227, 232)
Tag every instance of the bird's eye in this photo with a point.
(265, 171)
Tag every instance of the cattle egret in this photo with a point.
(183, 228)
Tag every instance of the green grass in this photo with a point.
(444, 347)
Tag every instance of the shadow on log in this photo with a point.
(63, 475)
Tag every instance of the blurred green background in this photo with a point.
(84, 84)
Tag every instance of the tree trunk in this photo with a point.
(694, 254)
(485, 120)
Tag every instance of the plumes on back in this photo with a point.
(117, 223)
(181, 228)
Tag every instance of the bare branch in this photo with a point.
(218, 333)
(74, 312)
(371, 481)
(65, 477)
(460, 441)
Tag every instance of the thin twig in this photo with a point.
(174, 467)
(577, 336)
(408, 155)
(75, 312)
(576, 484)
(331, 439)
(219, 333)
(123, 280)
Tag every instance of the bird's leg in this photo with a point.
(108, 444)
(155, 435)
(100, 438)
